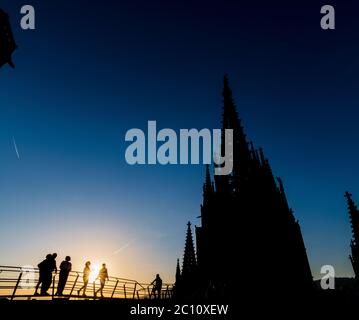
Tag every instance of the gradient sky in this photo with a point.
(94, 69)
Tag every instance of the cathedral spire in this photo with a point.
(178, 272)
(353, 216)
(354, 243)
(189, 259)
(231, 120)
(208, 191)
(230, 117)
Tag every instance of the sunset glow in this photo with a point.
(95, 268)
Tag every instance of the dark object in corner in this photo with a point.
(7, 41)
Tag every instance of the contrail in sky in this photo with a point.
(124, 246)
(15, 147)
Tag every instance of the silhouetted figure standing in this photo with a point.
(157, 286)
(103, 275)
(50, 266)
(65, 268)
(86, 276)
(43, 267)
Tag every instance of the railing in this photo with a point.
(20, 283)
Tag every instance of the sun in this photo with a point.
(95, 268)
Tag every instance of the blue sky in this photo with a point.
(92, 70)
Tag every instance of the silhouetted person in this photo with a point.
(50, 266)
(86, 276)
(102, 275)
(157, 286)
(43, 267)
(65, 268)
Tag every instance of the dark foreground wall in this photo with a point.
(330, 305)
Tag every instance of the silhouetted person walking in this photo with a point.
(50, 266)
(103, 275)
(65, 268)
(86, 276)
(43, 267)
(157, 286)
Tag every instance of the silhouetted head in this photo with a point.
(87, 264)
(157, 275)
(68, 258)
(104, 265)
(49, 256)
(54, 255)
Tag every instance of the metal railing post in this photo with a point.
(134, 291)
(53, 286)
(124, 290)
(17, 284)
(114, 289)
(73, 287)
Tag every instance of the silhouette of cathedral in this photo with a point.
(189, 265)
(248, 240)
(354, 243)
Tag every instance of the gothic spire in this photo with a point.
(207, 186)
(189, 259)
(178, 272)
(354, 243)
(231, 120)
(208, 191)
(353, 216)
